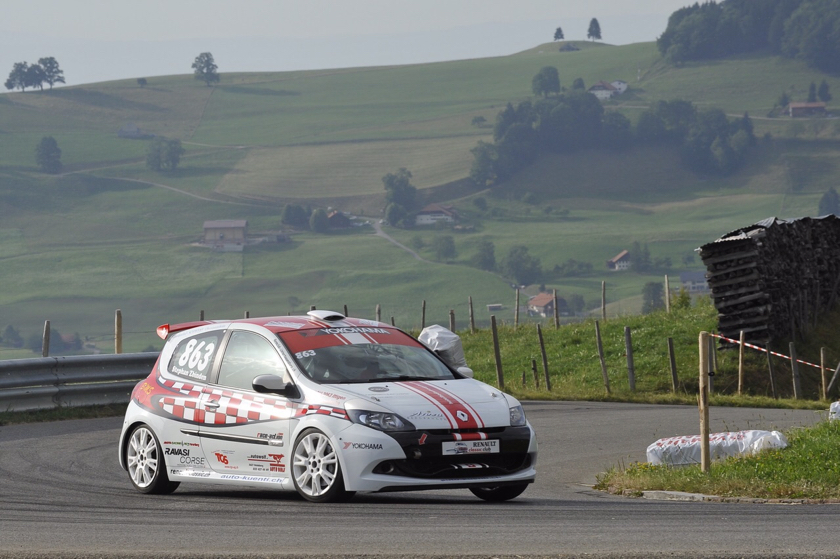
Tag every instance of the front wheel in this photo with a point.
(316, 470)
(499, 493)
(146, 465)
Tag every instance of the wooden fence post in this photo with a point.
(451, 320)
(710, 383)
(423, 315)
(556, 310)
(378, 312)
(345, 311)
(500, 377)
(516, 311)
(45, 343)
(201, 314)
(673, 361)
(247, 314)
(118, 346)
(631, 369)
(534, 371)
(394, 324)
(772, 376)
(741, 364)
(667, 295)
(703, 401)
(794, 366)
(822, 374)
(601, 357)
(544, 358)
(312, 307)
(472, 317)
(604, 301)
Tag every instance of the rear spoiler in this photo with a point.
(165, 329)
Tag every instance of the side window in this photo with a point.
(194, 357)
(249, 355)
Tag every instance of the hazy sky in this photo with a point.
(97, 40)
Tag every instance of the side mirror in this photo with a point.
(272, 384)
(465, 371)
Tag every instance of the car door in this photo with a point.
(245, 434)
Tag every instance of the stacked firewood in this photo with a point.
(773, 280)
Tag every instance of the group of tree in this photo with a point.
(400, 197)
(567, 121)
(805, 29)
(823, 93)
(710, 142)
(24, 75)
(593, 33)
(163, 154)
(11, 337)
(300, 217)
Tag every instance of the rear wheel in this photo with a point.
(146, 465)
(316, 470)
(499, 493)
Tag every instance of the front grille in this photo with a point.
(456, 467)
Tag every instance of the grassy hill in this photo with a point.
(110, 234)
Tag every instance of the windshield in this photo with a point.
(331, 360)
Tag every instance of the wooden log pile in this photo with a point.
(775, 278)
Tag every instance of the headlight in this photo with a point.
(382, 421)
(517, 416)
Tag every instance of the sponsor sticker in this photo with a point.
(470, 447)
(362, 446)
(378, 388)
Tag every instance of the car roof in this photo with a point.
(278, 324)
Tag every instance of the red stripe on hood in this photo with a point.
(460, 415)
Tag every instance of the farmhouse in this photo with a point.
(603, 90)
(620, 261)
(227, 235)
(620, 86)
(795, 110)
(694, 282)
(434, 213)
(543, 304)
(338, 220)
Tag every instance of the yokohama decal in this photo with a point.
(460, 414)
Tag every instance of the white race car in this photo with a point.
(321, 404)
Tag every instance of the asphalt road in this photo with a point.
(62, 493)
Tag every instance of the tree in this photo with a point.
(652, 297)
(205, 69)
(594, 30)
(395, 214)
(53, 74)
(521, 266)
(142, 82)
(48, 155)
(578, 84)
(399, 190)
(812, 92)
(318, 221)
(479, 121)
(616, 132)
(17, 77)
(823, 92)
(784, 100)
(485, 258)
(444, 248)
(558, 34)
(830, 203)
(294, 215)
(546, 81)
(483, 169)
(163, 154)
(35, 76)
(11, 337)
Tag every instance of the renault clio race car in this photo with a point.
(321, 404)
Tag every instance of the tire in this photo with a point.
(146, 465)
(499, 493)
(316, 470)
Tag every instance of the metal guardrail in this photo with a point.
(78, 380)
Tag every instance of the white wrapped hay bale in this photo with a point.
(834, 410)
(679, 451)
(445, 343)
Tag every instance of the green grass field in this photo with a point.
(110, 234)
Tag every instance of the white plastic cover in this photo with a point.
(678, 451)
(834, 410)
(445, 343)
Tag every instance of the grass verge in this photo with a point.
(59, 414)
(809, 468)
